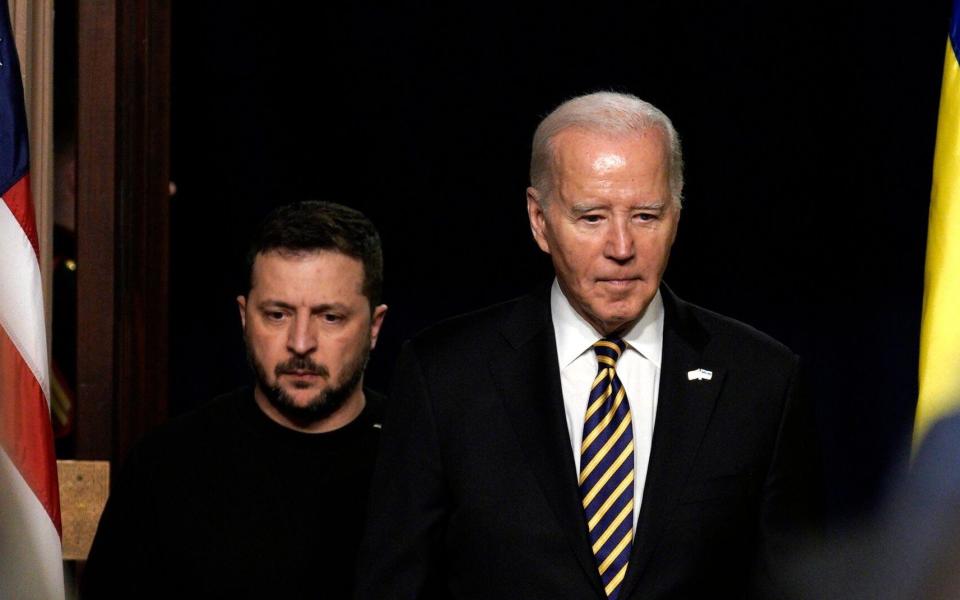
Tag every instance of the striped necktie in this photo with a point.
(606, 468)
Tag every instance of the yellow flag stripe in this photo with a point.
(940, 327)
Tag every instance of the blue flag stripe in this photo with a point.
(14, 143)
(955, 30)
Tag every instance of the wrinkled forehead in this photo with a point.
(282, 267)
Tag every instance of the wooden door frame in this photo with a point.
(123, 223)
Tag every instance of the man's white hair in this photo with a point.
(608, 113)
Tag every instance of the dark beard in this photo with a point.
(320, 406)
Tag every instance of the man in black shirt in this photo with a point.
(262, 492)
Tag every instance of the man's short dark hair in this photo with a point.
(311, 226)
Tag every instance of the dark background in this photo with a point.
(808, 132)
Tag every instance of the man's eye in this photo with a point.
(332, 318)
(275, 315)
(591, 218)
(647, 216)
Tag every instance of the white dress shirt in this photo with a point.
(638, 369)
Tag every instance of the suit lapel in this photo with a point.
(528, 377)
(684, 409)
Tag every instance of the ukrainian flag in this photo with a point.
(940, 329)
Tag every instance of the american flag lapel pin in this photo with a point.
(699, 374)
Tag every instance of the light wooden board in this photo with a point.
(84, 487)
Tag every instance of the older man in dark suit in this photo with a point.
(600, 438)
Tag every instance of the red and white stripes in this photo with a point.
(30, 551)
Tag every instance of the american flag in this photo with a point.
(30, 554)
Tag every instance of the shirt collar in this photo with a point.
(575, 336)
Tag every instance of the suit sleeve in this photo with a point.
(790, 511)
(401, 548)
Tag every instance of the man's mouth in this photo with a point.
(303, 374)
(301, 368)
(615, 282)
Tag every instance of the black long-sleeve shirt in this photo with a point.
(225, 503)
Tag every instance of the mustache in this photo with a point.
(301, 364)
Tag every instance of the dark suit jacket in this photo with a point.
(475, 491)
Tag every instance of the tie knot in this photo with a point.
(608, 351)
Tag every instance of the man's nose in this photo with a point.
(302, 338)
(619, 246)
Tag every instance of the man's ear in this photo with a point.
(242, 305)
(376, 322)
(538, 220)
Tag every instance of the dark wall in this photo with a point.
(808, 132)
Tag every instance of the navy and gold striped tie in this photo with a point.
(606, 468)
